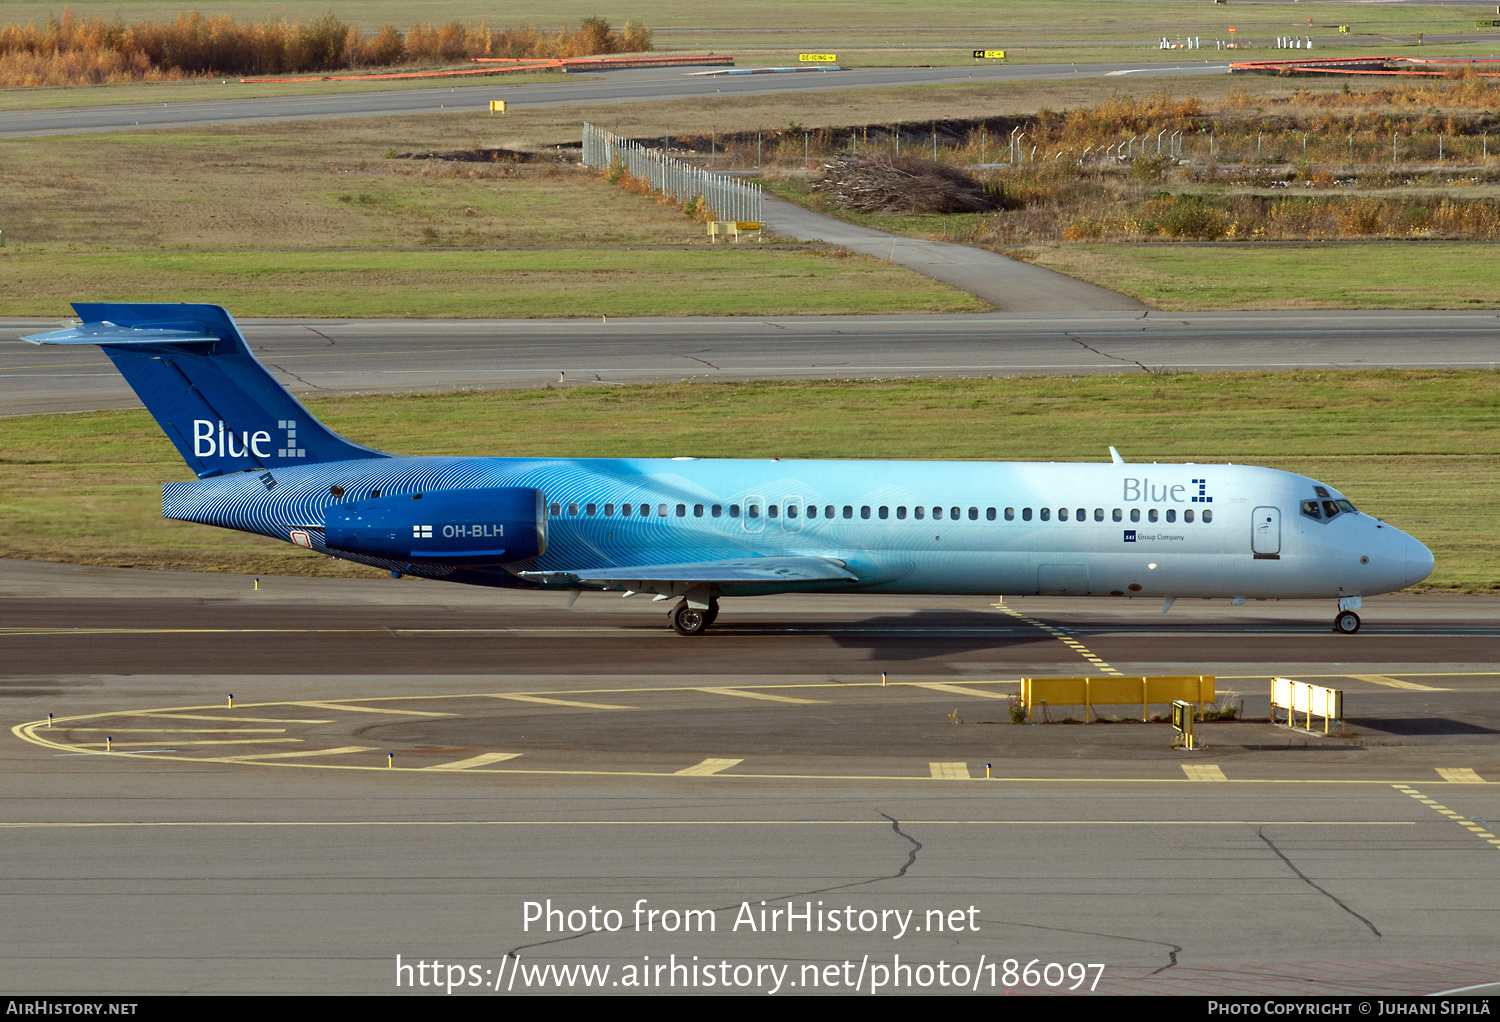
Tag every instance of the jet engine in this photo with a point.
(496, 525)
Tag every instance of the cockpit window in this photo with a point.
(1310, 508)
(1320, 491)
(1330, 509)
(1344, 505)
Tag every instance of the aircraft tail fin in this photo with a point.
(191, 367)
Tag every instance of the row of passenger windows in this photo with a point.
(753, 511)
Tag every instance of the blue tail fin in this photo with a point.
(196, 375)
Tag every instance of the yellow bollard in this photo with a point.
(882, 679)
(231, 700)
(109, 744)
(390, 759)
(49, 720)
(987, 771)
(257, 583)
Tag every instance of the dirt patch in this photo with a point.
(489, 156)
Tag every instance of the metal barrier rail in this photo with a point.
(1197, 689)
(727, 197)
(1301, 697)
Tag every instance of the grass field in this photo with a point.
(1377, 275)
(246, 218)
(726, 281)
(1416, 448)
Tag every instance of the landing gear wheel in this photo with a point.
(713, 613)
(687, 621)
(1347, 623)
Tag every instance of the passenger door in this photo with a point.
(1265, 533)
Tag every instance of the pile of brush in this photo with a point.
(879, 184)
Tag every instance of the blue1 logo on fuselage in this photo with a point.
(1176, 493)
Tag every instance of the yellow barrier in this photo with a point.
(733, 228)
(1197, 689)
(1300, 696)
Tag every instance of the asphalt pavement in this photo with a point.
(382, 356)
(637, 86)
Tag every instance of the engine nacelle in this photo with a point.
(495, 526)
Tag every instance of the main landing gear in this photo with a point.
(687, 620)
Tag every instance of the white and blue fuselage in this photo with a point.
(704, 529)
(1004, 528)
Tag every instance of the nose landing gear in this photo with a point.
(1347, 622)
(686, 620)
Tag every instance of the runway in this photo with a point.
(415, 769)
(644, 85)
(381, 356)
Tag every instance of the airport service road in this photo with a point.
(593, 758)
(636, 86)
(373, 356)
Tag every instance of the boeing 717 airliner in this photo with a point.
(698, 530)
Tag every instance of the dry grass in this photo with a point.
(299, 186)
(69, 50)
(247, 217)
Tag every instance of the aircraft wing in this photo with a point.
(742, 571)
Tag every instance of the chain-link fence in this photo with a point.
(729, 198)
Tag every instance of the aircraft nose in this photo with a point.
(1419, 561)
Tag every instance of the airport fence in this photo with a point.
(728, 197)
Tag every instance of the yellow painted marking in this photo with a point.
(1457, 818)
(707, 767)
(746, 694)
(1058, 634)
(1380, 679)
(1459, 775)
(1203, 772)
(230, 741)
(347, 708)
(246, 720)
(558, 702)
(55, 825)
(298, 755)
(949, 771)
(181, 730)
(938, 686)
(483, 759)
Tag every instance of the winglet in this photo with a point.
(1114, 456)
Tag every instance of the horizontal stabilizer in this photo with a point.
(113, 333)
(190, 366)
(744, 571)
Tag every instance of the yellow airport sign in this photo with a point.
(811, 57)
(497, 106)
(989, 54)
